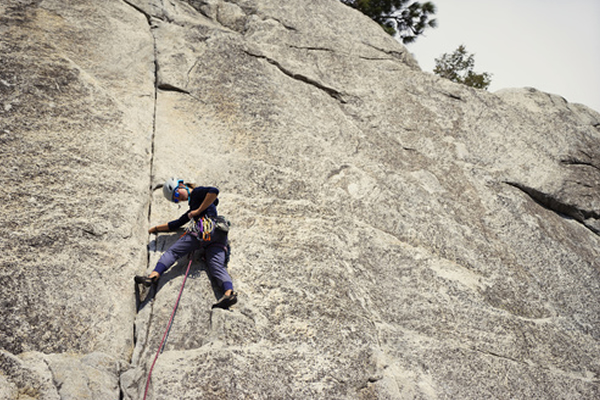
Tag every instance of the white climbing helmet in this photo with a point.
(169, 188)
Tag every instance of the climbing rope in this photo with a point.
(160, 347)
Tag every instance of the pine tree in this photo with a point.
(458, 67)
(405, 18)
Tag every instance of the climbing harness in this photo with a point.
(161, 346)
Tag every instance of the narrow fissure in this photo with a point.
(500, 356)
(330, 91)
(553, 204)
(152, 152)
(575, 161)
(151, 162)
(154, 111)
(138, 9)
(396, 54)
(170, 88)
(153, 136)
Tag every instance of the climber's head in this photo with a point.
(175, 190)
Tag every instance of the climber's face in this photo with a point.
(180, 194)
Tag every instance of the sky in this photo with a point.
(551, 45)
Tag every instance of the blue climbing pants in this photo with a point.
(214, 253)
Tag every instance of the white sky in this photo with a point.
(551, 45)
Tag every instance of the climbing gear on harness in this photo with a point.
(205, 227)
(145, 280)
(226, 301)
(201, 229)
(160, 347)
(170, 189)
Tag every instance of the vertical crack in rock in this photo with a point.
(152, 150)
(154, 111)
(152, 139)
(554, 204)
(167, 87)
(330, 91)
(149, 20)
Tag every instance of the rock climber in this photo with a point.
(207, 231)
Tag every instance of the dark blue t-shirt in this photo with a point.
(197, 196)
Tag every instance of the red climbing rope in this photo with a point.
(160, 347)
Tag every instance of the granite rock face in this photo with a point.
(395, 235)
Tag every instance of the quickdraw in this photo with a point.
(202, 229)
(208, 228)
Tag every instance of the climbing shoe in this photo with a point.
(145, 280)
(226, 301)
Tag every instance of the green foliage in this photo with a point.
(458, 67)
(406, 18)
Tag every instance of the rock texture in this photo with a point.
(395, 236)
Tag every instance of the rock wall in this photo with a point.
(395, 236)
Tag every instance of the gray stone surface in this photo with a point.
(75, 132)
(395, 236)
